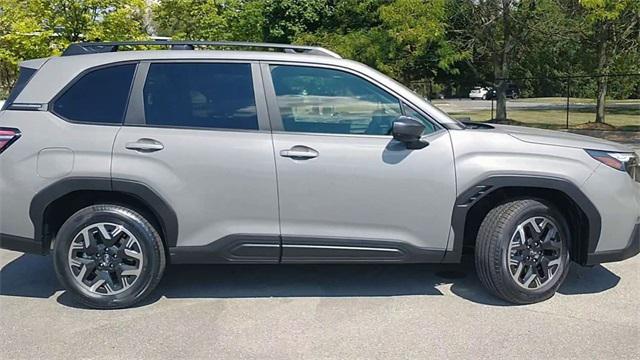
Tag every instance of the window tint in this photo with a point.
(98, 97)
(23, 79)
(322, 100)
(200, 95)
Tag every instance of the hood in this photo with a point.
(560, 138)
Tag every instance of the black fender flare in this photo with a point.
(142, 192)
(468, 198)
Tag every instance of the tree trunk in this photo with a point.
(603, 62)
(601, 99)
(502, 66)
(502, 71)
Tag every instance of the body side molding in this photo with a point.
(235, 248)
(304, 249)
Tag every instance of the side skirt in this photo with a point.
(266, 249)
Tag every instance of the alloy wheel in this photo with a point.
(105, 258)
(535, 253)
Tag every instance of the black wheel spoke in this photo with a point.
(544, 267)
(551, 245)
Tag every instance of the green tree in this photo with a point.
(22, 36)
(407, 39)
(41, 28)
(615, 35)
(77, 20)
(286, 19)
(193, 19)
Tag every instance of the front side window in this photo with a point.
(100, 96)
(320, 100)
(200, 95)
(428, 126)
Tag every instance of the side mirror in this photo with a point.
(409, 131)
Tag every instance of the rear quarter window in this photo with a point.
(23, 79)
(100, 96)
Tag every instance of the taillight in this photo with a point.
(7, 137)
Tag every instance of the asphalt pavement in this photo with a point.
(322, 311)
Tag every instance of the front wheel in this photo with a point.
(522, 251)
(108, 256)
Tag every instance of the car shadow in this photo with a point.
(33, 276)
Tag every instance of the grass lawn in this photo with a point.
(563, 100)
(627, 118)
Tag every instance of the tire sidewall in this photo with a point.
(134, 223)
(547, 290)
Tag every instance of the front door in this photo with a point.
(347, 190)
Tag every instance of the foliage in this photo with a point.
(194, 20)
(41, 28)
(451, 44)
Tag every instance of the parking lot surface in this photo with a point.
(322, 311)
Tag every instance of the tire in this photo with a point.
(108, 256)
(506, 258)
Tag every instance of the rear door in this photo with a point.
(197, 133)
(348, 191)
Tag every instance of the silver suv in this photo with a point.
(121, 162)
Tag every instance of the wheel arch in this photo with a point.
(51, 206)
(473, 204)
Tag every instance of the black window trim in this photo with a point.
(274, 109)
(135, 116)
(59, 94)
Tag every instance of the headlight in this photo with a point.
(620, 161)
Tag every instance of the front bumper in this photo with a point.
(632, 249)
(22, 244)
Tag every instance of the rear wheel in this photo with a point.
(522, 251)
(108, 256)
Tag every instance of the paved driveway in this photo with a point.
(328, 311)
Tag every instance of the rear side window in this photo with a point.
(23, 79)
(100, 96)
(200, 95)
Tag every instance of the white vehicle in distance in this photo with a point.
(479, 92)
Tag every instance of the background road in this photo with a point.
(324, 311)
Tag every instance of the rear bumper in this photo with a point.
(22, 244)
(632, 249)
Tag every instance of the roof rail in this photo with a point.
(103, 47)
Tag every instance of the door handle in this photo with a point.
(145, 145)
(299, 152)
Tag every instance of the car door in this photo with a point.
(347, 190)
(197, 134)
